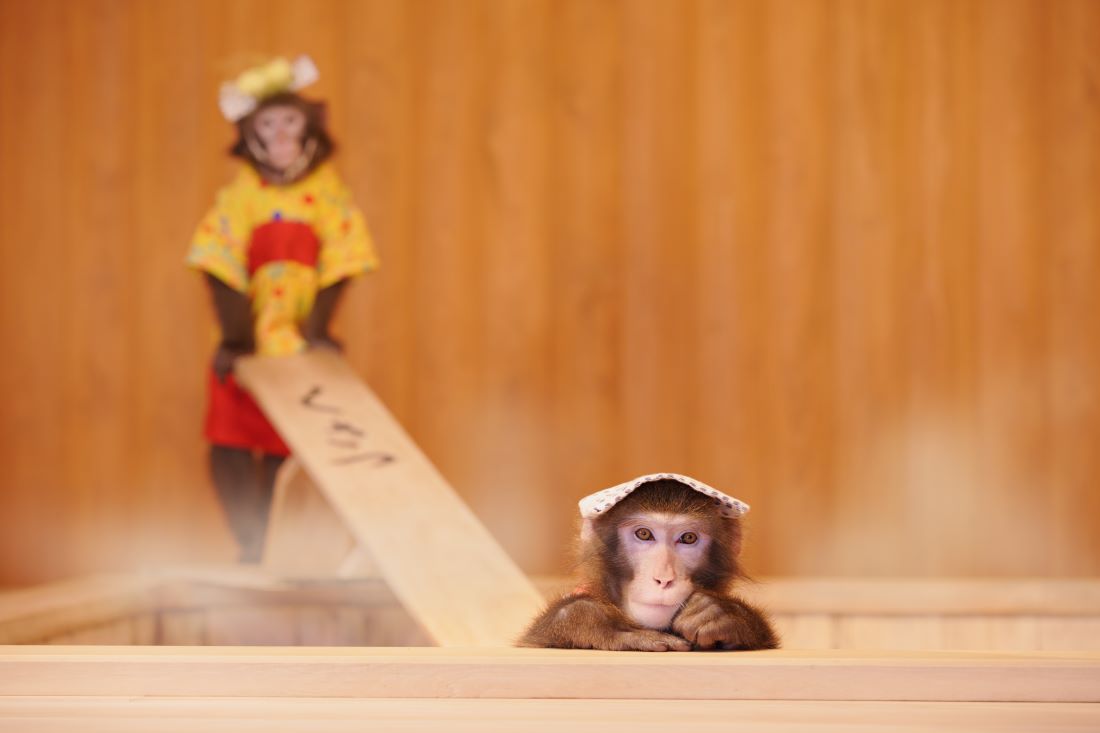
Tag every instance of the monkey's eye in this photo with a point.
(643, 534)
(689, 538)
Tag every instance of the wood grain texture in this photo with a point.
(836, 257)
(236, 605)
(305, 536)
(548, 673)
(454, 579)
(113, 715)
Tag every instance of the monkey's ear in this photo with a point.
(320, 112)
(588, 531)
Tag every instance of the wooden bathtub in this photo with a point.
(234, 649)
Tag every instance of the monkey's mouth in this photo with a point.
(652, 615)
(657, 606)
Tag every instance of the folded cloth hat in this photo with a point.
(595, 504)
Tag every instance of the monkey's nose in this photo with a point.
(664, 583)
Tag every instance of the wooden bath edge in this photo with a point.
(505, 673)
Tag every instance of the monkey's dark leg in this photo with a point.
(265, 491)
(234, 473)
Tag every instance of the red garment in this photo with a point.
(234, 420)
(283, 241)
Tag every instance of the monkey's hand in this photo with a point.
(315, 328)
(323, 341)
(646, 640)
(712, 621)
(225, 357)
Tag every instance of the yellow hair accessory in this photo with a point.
(273, 77)
(239, 97)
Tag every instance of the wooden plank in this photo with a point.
(888, 632)
(805, 630)
(997, 633)
(548, 673)
(1082, 634)
(36, 614)
(305, 537)
(182, 628)
(917, 596)
(230, 626)
(43, 715)
(441, 562)
(1000, 615)
(186, 590)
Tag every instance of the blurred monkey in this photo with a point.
(276, 249)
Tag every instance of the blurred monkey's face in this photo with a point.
(281, 129)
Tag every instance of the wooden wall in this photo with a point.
(838, 258)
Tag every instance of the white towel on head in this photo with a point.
(598, 503)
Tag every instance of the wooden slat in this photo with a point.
(205, 588)
(549, 673)
(45, 715)
(916, 596)
(38, 614)
(441, 562)
(305, 537)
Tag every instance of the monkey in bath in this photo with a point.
(657, 557)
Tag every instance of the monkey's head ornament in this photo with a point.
(598, 503)
(280, 134)
(240, 97)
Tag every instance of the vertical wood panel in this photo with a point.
(447, 234)
(837, 257)
(35, 493)
(869, 242)
(797, 346)
(1069, 180)
(95, 329)
(377, 152)
(586, 447)
(938, 316)
(166, 464)
(728, 440)
(1012, 290)
(659, 152)
(509, 476)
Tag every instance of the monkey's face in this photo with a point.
(281, 129)
(663, 550)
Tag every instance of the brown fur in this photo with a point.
(593, 617)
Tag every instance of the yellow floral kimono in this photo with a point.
(280, 245)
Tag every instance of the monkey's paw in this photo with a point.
(647, 640)
(712, 622)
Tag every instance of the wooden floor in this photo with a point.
(53, 688)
